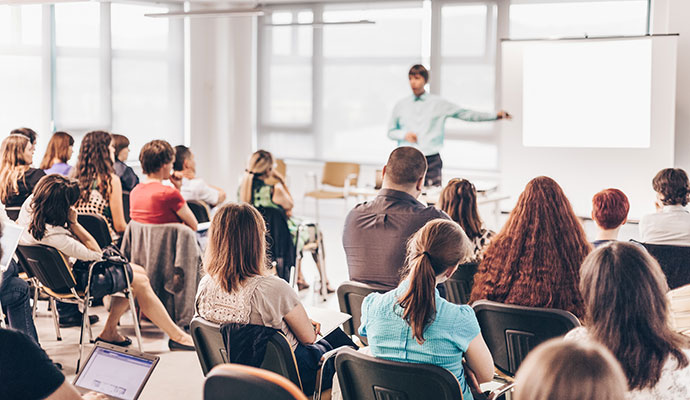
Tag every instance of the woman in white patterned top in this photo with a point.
(624, 293)
(459, 201)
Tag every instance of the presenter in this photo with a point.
(419, 121)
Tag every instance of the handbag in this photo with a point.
(108, 275)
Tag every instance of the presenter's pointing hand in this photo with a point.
(411, 137)
(503, 115)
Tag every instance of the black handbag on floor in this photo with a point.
(108, 274)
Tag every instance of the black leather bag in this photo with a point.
(108, 274)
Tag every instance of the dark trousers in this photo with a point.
(14, 296)
(309, 356)
(433, 172)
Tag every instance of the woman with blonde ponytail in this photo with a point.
(433, 330)
(262, 186)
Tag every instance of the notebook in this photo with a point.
(9, 241)
(329, 319)
(115, 371)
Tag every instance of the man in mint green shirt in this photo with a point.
(419, 121)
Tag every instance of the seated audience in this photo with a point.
(51, 220)
(100, 188)
(127, 176)
(29, 134)
(239, 289)
(459, 201)
(624, 292)
(194, 188)
(535, 259)
(570, 371)
(17, 177)
(152, 202)
(412, 323)
(58, 153)
(262, 186)
(610, 212)
(670, 224)
(14, 293)
(376, 232)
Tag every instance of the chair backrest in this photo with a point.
(200, 210)
(512, 331)
(378, 182)
(48, 266)
(233, 381)
(350, 297)
(363, 377)
(208, 343)
(211, 351)
(674, 261)
(13, 212)
(125, 205)
(281, 168)
(459, 285)
(280, 359)
(335, 173)
(97, 226)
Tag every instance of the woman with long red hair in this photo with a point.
(535, 259)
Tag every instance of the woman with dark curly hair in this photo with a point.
(51, 220)
(58, 153)
(535, 259)
(671, 222)
(100, 189)
(459, 201)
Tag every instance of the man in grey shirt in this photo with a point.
(376, 232)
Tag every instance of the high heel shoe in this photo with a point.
(301, 285)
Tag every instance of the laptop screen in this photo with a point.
(9, 241)
(114, 373)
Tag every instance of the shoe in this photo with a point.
(301, 285)
(173, 346)
(123, 343)
(58, 365)
(76, 320)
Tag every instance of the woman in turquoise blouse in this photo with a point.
(412, 323)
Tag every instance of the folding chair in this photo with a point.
(350, 298)
(341, 175)
(54, 274)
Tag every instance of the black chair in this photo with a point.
(350, 297)
(512, 331)
(281, 247)
(674, 261)
(54, 273)
(200, 210)
(459, 285)
(363, 377)
(13, 212)
(233, 381)
(97, 226)
(125, 205)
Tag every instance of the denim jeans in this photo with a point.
(14, 296)
(309, 356)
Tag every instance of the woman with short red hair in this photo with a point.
(609, 211)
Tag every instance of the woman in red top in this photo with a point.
(152, 202)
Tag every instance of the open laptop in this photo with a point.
(9, 241)
(115, 371)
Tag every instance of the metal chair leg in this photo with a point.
(36, 289)
(84, 321)
(2, 318)
(133, 309)
(55, 318)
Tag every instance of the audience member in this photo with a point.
(377, 231)
(239, 289)
(262, 186)
(152, 202)
(127, 176)
(412, 323)
(17, 177)
(194, 188)
(459, 201)
(51, 220)
(570, 371)
(29, 134)
(100, 188)
(671, 223)
(627, 311)
(58, 153)
(609, 212)
(14, 293)
(535, 259)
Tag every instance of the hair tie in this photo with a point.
(249, 172)
(426, 253)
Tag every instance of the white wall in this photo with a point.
(221, 96)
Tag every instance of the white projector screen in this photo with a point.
(590, 113)
(602, 89)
